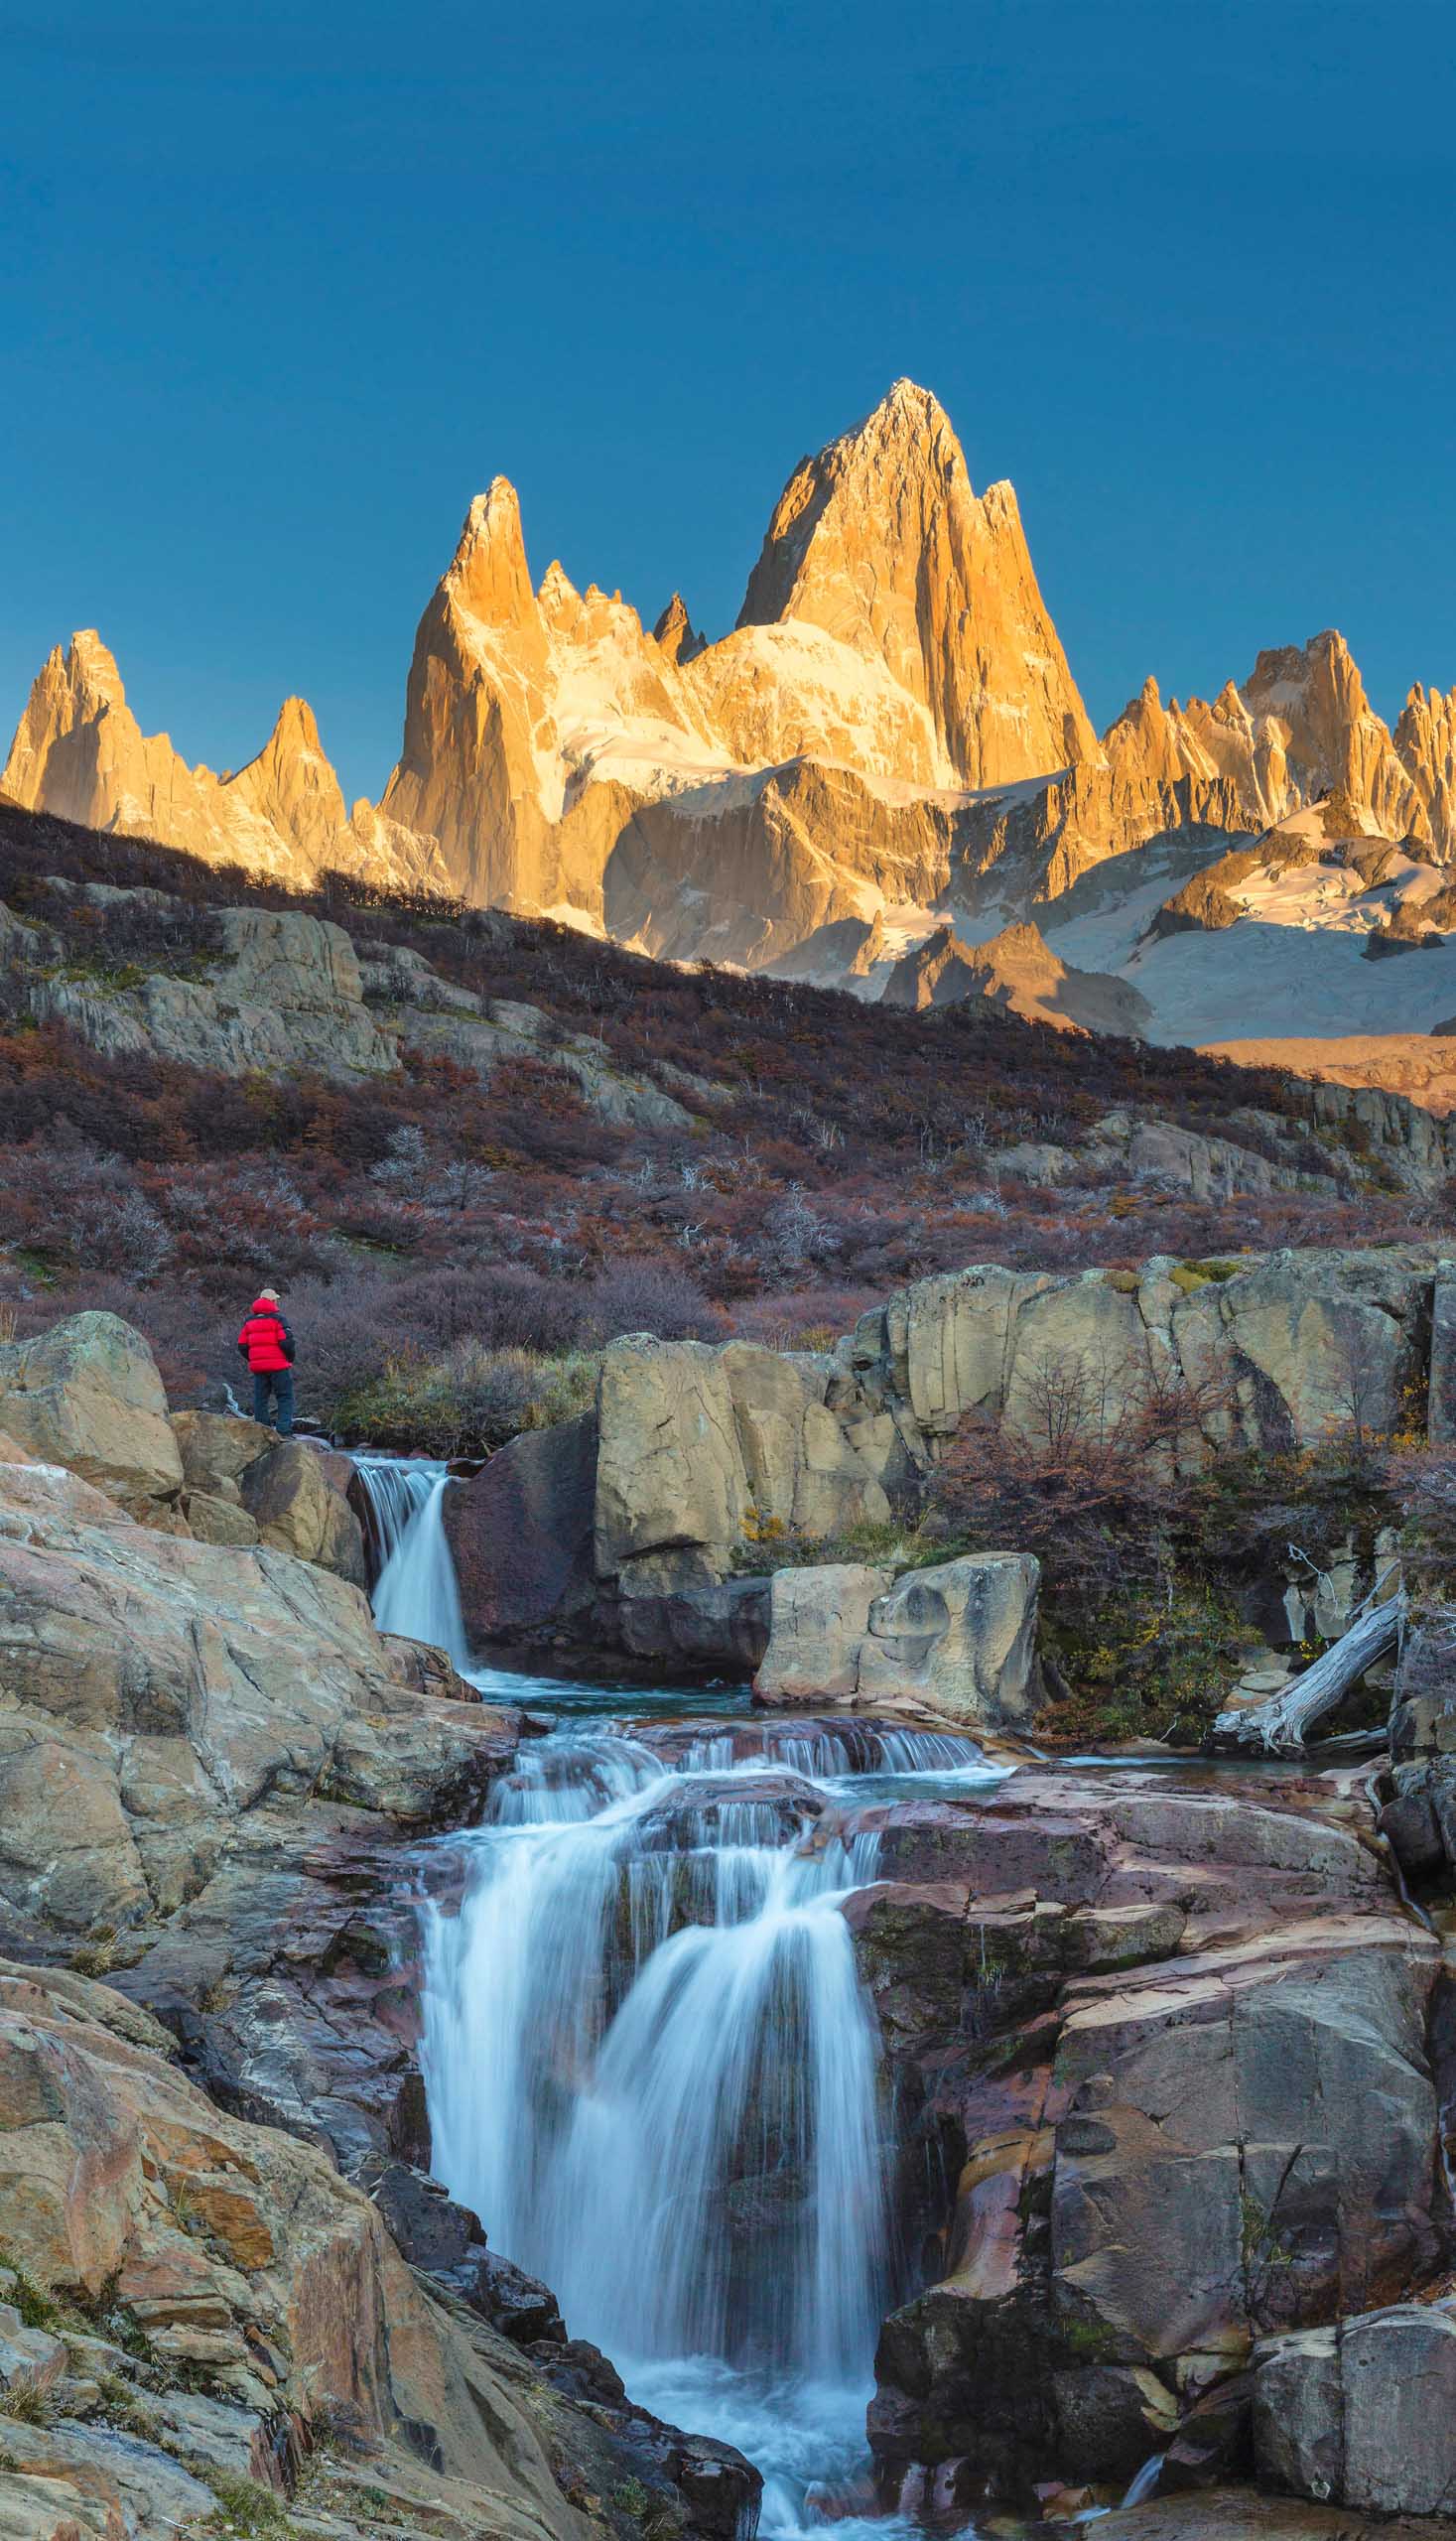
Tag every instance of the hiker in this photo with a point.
(267, 1345)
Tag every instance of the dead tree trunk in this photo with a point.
(1280, 1725)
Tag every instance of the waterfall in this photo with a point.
(652, 2072)
(416, 1592)
(650, 2066)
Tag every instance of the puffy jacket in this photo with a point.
(265, 1340)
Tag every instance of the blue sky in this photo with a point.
(282, 287)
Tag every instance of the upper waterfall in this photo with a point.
(416, 1592)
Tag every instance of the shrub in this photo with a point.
(502, 1304)
(640, 1295)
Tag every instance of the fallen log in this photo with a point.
(1279, 1726)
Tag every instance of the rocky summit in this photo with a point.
(883, 777)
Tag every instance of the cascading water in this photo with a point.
(652, 2071)
(650, 2066)
(416, 1592)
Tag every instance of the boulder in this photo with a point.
(217, 1449)
(819, 1617)
(286, 1493)
(1363, 2413)
(87, 1395)
(958, 1641)
(216, 1520)
(521, 1535)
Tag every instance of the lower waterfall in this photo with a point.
(650, 2066)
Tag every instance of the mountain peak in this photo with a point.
(879, 541)
(489, 575)
(676, 633)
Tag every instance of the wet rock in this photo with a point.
(428, 2226)
(519, 2306)
(521, 1532)
(1143, 2035)
(1245, 2514)
(741, 1808)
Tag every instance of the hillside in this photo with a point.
(471, 1148)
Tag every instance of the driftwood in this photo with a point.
(1279, 1726)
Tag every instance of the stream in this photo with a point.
(649, 2064)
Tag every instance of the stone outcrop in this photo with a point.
(702, 1460)
(241, 2261)
(1276, 1350)
(286, 994)
(954, 1642)
(1144, 2027)
(701, 1448)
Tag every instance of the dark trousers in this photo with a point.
(279, 1383)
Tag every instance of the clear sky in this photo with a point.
(281, 287)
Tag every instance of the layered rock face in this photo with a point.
(1145, 2025)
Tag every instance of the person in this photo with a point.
(267, 1345)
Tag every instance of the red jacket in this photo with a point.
(265, 1340)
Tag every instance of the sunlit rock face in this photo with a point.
(81, 752)
(882, 542)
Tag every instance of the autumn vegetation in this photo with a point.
(454, 1250)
